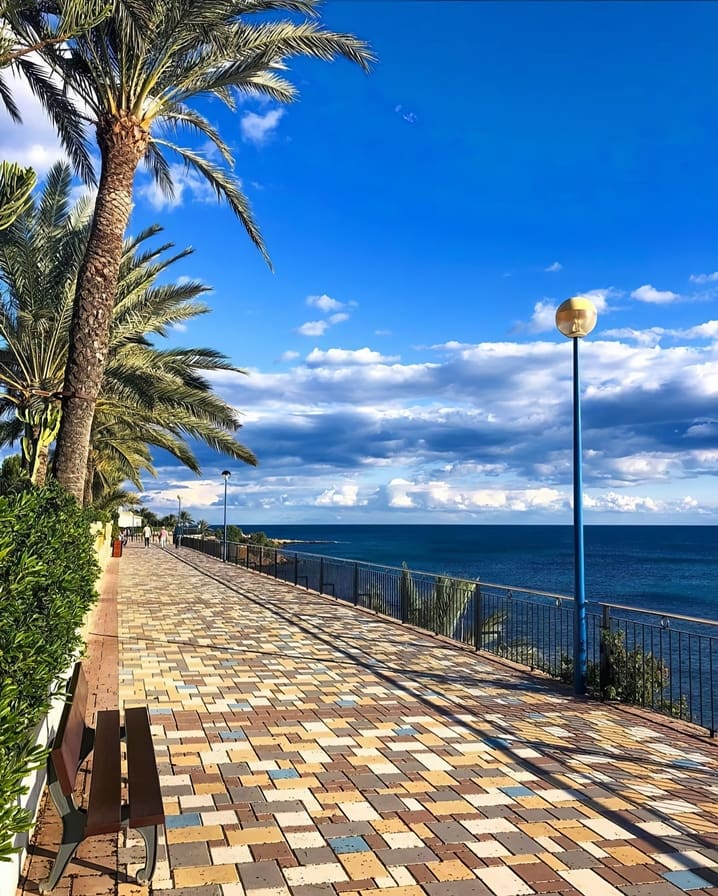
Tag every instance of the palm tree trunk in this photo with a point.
(122, 142)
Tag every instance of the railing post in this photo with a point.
(275, 564)
(296, 569)
(261, 557)
(477, 617)
(246, 553)
(356, 584)
(321, 575)
(604, 665)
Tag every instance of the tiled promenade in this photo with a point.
(308, 748)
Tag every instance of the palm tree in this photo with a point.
(137, 73)
(27, 29)
(149, 397)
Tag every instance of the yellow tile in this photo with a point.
(206, 874)
(452, 869)
(362, 865)
(629, 855)
(246, 836)
(452, 807)
(389, 825)
(438, 779)
(195, 833)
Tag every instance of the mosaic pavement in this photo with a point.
(309, 748)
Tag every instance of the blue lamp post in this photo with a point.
(575, 318)
(225, 475)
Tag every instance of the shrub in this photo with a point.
(48, 572)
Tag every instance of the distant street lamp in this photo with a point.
(225, 475)
(178, 538)
(576, 318)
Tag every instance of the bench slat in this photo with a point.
(104, 811)
(143, 781)
(68, 739)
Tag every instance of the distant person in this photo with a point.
(164, 535)
(147, 533)
(177, 536)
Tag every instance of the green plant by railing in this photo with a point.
(48, 572)
(632, 676)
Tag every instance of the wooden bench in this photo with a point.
(105, 813)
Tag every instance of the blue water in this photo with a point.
(672, 569)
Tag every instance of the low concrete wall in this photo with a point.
(35, 783)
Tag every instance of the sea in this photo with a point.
(666, 569)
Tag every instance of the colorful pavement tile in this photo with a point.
(307, 747)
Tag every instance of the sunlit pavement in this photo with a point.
(309, 748)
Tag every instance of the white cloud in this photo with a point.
(346, 496)
(257, 128)
(338, 357)
(704, 278)
(187, 183)
(650, 294)
(543, 319)
(289, 356)
(406, 115)
(324, 303)
(553, 268)
(313, 328)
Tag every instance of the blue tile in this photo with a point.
(233, 735)
(495, 742)
(278, 773)
(187, 820)
(686, 880)
(348, 844)
(406, 729)
(346, 702)
(245, 707)
(191, 688)
(517, 790)
(159, 711)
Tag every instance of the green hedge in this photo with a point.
(48, 572)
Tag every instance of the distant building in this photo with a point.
(129, 520)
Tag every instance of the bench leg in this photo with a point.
(149, 835)
(73, 827)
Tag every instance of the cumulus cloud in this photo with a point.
(324, 303)
(483, 430)
(313, 328)
(187, 185)
(704, 278)
(544, 317)
(337, 357)
(258, 128)
(650, 294)
(345, 496)
(289, 356)
(554, 267)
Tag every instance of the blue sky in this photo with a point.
(424, 222)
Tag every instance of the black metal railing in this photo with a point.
(663, 662)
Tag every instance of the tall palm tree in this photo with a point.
(149, 397)
(137, 72)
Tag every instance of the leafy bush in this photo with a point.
(48, 572)
(631, 676)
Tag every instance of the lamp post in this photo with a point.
(575, 318)
(225, 475)
(178, 539)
